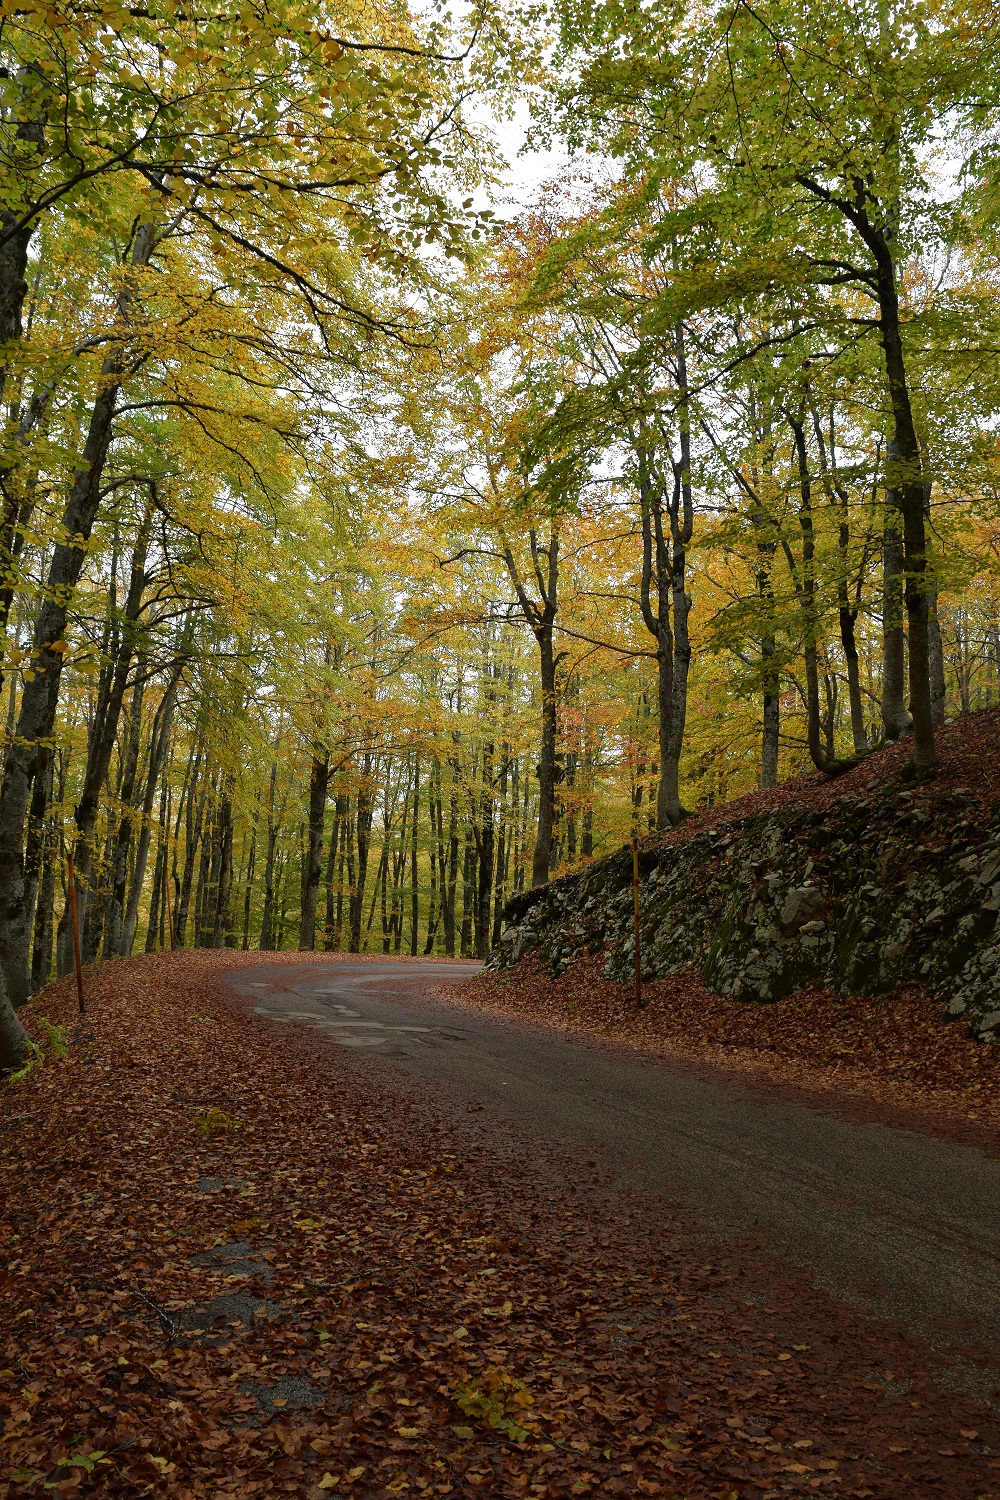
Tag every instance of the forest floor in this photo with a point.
(239, 1261)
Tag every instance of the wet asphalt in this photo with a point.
(900, 1223)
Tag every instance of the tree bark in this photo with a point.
(312, 864)
(363, 824)
(222, 923)
(414, 841)
(806, 593)
(101, 741)
(664, 572)
(13, 1037)
(159, 743)
(40, 696)
(907, 480)
(540, 617)
(895, 719)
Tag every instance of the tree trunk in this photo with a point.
(159, 745)
(194, 818)
(939, 688)
(414, 886)
(806, 593)
(101, 741)
(222, 917)
(335, 868)
(13, 1037)
(312, 864)
(363, 825)
(449, 873)
(540, 617)
(542, 857)
(267, 911)
(468, 894)
(40, 697)
(895, 719)
(485, 837)
(123, 839)
(907, 480)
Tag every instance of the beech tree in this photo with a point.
(806, 135)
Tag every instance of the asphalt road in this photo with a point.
(901, 1223)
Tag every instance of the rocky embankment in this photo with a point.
(861, 894)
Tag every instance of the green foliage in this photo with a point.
(56, 1036)
(213, 1121)
(56, 1045)
(494, 1398)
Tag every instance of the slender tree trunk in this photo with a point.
(101, 741)
(468, 894)
(502, 851)
(806, 593)
(123, 838)
(939, 688)
(414, 885)
(542, 857)
(159, 755)
(223, 923)
(335, 865)
(363, 824)
(194, 820)
(41, 948)
(449, 879)
(908, 483)
(895, 719)
(312, 864)
(248, 887)
(485, 837)
(267, 913)
(41, 796)
(157, 902)
(540, 617)
(435, 813)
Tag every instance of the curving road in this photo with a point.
(901, 1223)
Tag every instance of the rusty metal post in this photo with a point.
(635, 917)
(76, 934)
(170, 914)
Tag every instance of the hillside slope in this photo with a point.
(858, 884)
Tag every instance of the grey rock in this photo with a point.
(801, 905)
(901, 900)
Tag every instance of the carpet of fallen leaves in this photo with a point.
(968, 753)
(432, 1303)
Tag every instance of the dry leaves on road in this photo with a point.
(238, 1261)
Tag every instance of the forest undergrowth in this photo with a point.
(427, 1301)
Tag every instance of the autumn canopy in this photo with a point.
(382, 533)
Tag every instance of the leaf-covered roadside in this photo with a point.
(891, 1051)
(433, 1303)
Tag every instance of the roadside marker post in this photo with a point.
(76, 934)
(639, 1002)
(170, 914)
